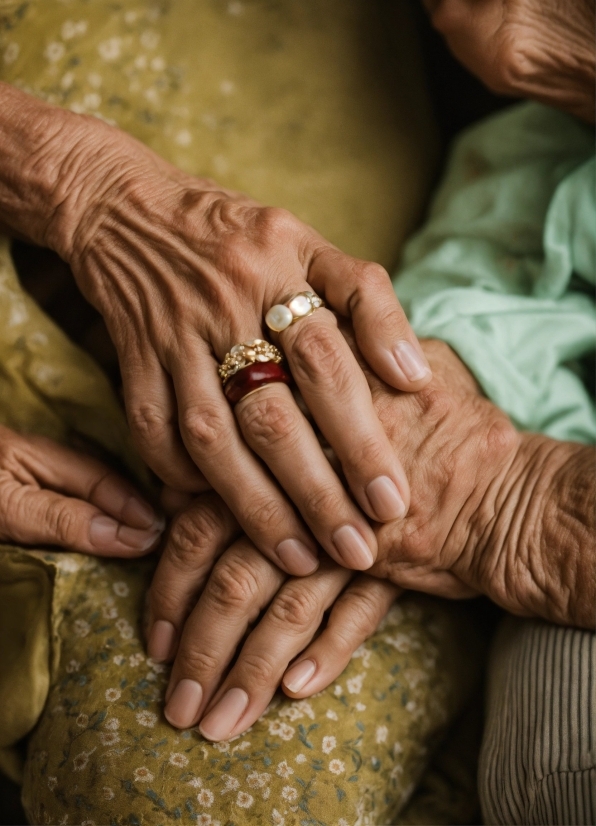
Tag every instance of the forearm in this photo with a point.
(48, 156)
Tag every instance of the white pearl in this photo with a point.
(300, 306)
(278, 318)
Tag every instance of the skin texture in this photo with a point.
(537, 49)
(499, 513)
(51, 495)
(181, 270)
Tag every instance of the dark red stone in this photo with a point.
(252, 377)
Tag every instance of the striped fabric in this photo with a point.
(538, 760)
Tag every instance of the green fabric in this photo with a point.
(504, 270)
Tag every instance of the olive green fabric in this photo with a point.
(504, 270)
(299, 103)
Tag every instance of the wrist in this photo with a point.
(52, 162)
(537, 558)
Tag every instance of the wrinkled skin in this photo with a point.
(537, 49)
(489, 515)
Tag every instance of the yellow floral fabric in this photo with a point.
(103, 752)
(291, 102)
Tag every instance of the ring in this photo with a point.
(252, 378)
(250, 352)
(282, 316)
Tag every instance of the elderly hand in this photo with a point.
(51, 495)
(205, 636)
(537, 49)
(493, 511)
(182, 270)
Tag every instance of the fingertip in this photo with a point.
(411, 365)
(352, 549)
(161, 642)
(296, 558)
(298, 676)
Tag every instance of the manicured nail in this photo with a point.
(103, 530)
(161, 641)
(139, 514)
(299, 675)
(139, 540)
(223, 719)
(385, 499)
(297, 558)
(183, 705)
(352, 548)
(410, 362)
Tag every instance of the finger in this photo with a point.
(290, 623)
(337, 393)
(241, 584)
(30, 516)
(197, 537)
(153, 418)
(362, 291)
(58, 467)
(173, 501)
(213, 440)
(353, 619)
(274, 427)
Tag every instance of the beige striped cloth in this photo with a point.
(538, 760)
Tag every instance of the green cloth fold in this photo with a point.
(504, 269)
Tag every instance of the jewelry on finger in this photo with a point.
(253, 377)
(300, 305)
(249, 352)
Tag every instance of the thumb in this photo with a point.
(31, 516)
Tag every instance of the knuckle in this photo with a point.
(275, 222)
(322, 503)
(266, 421)
(258, 671)
(205, 427)
(190, 534)
(316, 356)
(436, 404)
(148, 422)
(61, 522)
(512, 67)
(233, 584)
(502, 438)
(362, 614)
(372, 276)
(262, 516)
(193, 662)
(366, 452)
(296, 607)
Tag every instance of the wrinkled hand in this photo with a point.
(51, 495)
(181, 270)
(496, 512)
(205, 636)
(537, 49)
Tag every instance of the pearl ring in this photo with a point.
(282, 316)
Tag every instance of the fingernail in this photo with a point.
(140, 540)
(411, 363)
(223, 719)
(297, 558)
(385, 499)
(139, 514)
(352, 548)
(103, 530)
(182, 708)
(161, 641)
(298, 675)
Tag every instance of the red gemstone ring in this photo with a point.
(252, 377)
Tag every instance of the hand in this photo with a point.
(204, 636)
(538, 49)
(51, 495)
(493, 511)
(181, 270)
